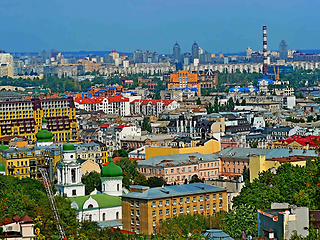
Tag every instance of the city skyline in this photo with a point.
(216, 26)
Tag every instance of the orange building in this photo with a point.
(184, 79)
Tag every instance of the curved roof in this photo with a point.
(68, 147)
(2, 167)
(103, 200)
(3, 147)
(111, 170)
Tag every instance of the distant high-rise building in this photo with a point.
(176, 53)
(195, 51)
(249, 52)
(138, 56)
(283, 50)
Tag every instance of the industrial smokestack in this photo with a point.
(265, 59)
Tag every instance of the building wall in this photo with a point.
(209, 147)
(151, 212)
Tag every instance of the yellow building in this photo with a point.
(275, 157)
(208, 147)
(23, 118)
(184, 79)
(144, 208)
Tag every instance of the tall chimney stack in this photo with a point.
(265, 59)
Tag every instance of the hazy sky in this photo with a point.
(155, 25)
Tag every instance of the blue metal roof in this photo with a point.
(216, 234)
(174, 191)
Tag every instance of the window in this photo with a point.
(201, 198)
(189, 169)
(172, 170)
(103, 217)
(137, 213)
(194, 208)
(214, 197)
(220, 205)
(132, 203)
(137, 222)
(195, 168)
(153, 204)
(160, 203)
(188, 209)
(181, 200)
(238, 170)
(178, 178)
(214, 206)
(188, 200)
(178, 170)
(220, 195)
(194, 199)
(174, 201)
(74, 192)
(166, 172)
(138, 231)
(21, 170)
(208, 206)
(174, 211)
(207, 197)
(154, 223)
(159, 171)
(181, 210)
(132, 221)
(167, 202)
(153, 213)
(149, 171)
(183, 169)
(160, 212)
(167, 212)
(201, 207)
(132, 212)
(137, 204)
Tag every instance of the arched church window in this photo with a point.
(73, 175)
(103, 217)
(117, 215)
(71, 156)
(90, 217)
(118, 187)
(90, 206)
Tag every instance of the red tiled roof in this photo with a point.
(88, 100)
(125, 125)
(26, 219)
(105, 126)
(303, 140)
(151, 101)
(118, 98)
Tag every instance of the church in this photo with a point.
(98, 206)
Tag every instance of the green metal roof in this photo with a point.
(103, 200)
(3, 147)
(111, 170)
(2, 167)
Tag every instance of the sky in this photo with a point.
(227, 26)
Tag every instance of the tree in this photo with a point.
(242, 219)
(155, 182)
(92, 181)
(246, 173)
(198, 101)
(243, 103)
(237, 102)
(195, 179)
(253, 144)
(146, 126)
(120, 153)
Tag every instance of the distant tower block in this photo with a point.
(265, 58)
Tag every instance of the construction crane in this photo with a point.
(47, 185)
(276, 74)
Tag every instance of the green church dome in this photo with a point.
(2, 167)
(3, 147)
(68, 147)
(111, 170)
(44, 135)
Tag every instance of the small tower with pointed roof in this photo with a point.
(69, 173)
(111, 179)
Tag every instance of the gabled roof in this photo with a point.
(103, 200)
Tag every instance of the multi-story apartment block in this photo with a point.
(208, 79)
(150, 107)
(24, 118)
(180, 168)
(184, 79)
(110, 105)
(144, 208)
(6, 65)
